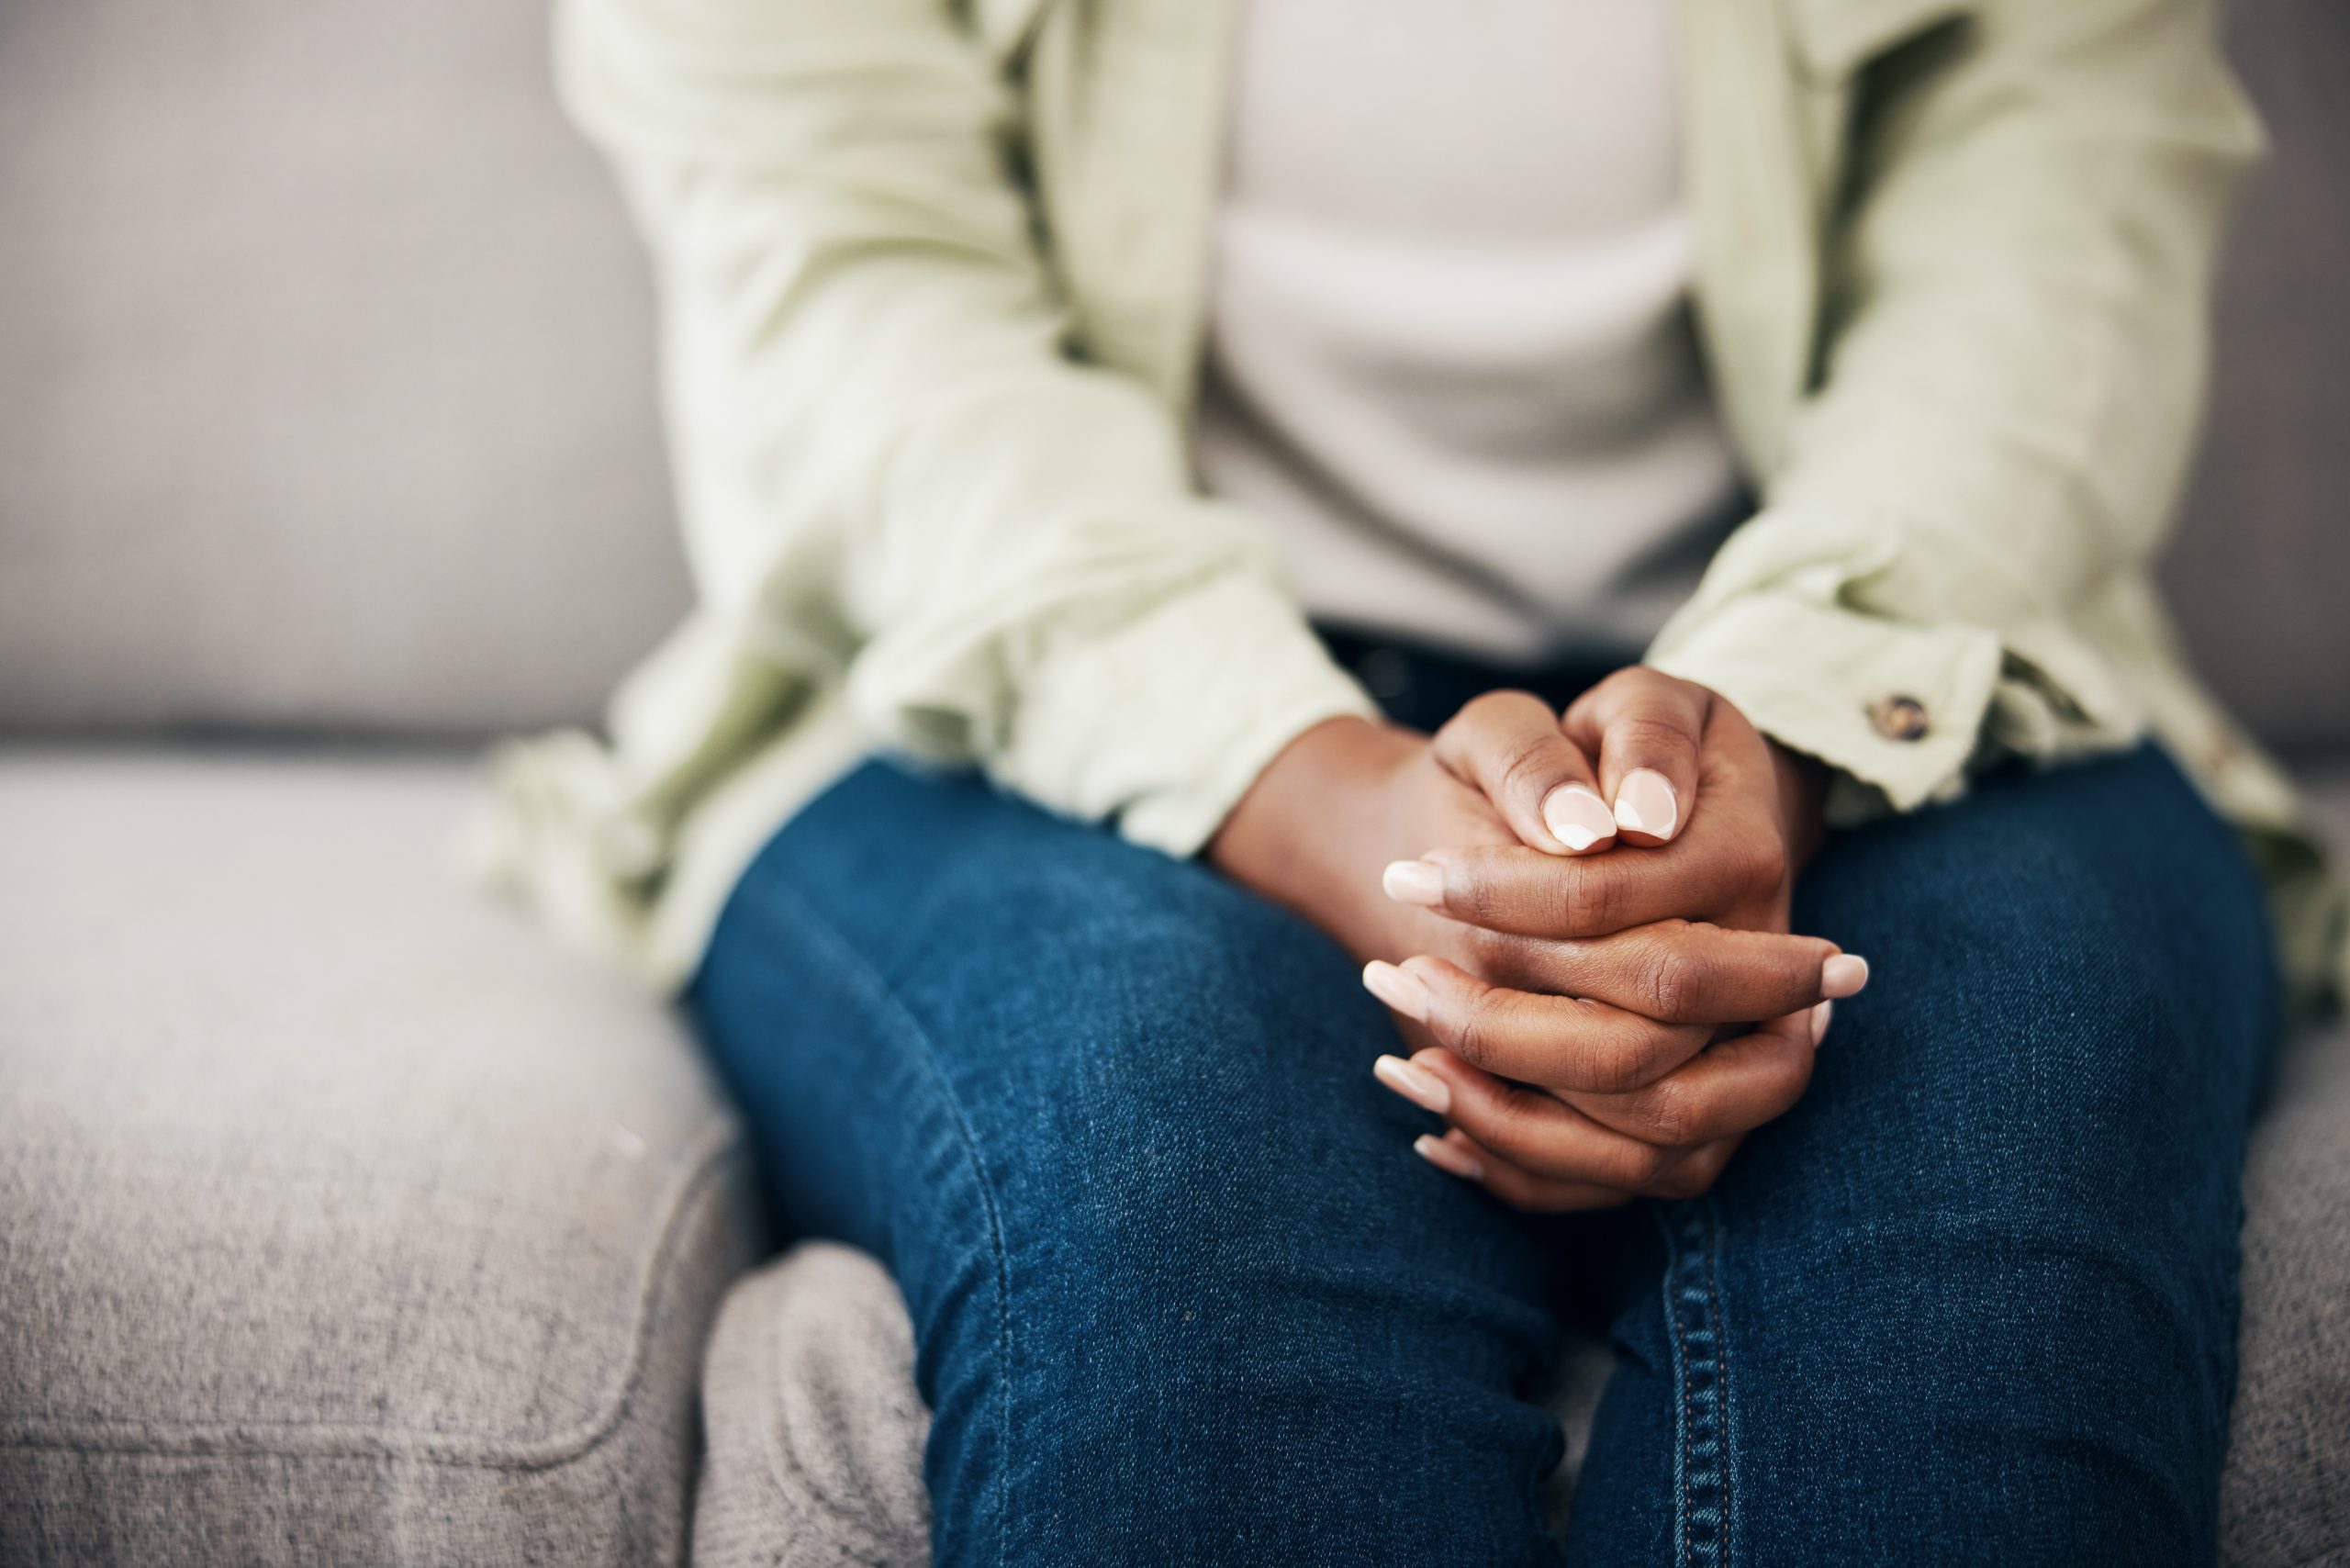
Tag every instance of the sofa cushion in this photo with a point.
(342, 1220)
(2285, 1502)
(815, 1429)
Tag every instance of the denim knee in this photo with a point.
(2043, 993)
(1223, 1267)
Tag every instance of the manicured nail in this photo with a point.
(1418, 1084)
(1400, 989)
(1820, 1014)
(1577, 817)
(1843, 975)
(1645, 803)
(1447, 1156)
(1414, 881)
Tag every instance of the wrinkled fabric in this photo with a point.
(933, 284)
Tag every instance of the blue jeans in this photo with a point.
(1181, 1292)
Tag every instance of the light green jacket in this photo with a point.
(931, 277)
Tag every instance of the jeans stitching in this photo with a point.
(1728, 1399)
(870, 982)
(1693, 1325)
(1679, 1410)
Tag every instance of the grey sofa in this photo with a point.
(343, 1219)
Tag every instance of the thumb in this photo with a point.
(1647, 729)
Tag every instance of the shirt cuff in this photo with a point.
(1897, 710)
(1162, 720)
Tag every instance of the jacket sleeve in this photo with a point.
(889, 455)
(2011, 367)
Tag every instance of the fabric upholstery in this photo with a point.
(815, 1429)
(342, 1220)
(326, 374)
(326, 387)
(2262, 557)
(2286, 1500)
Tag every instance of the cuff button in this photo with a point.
(1898, 718)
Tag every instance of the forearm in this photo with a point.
(1313, 831)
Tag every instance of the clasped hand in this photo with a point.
(1580, 922)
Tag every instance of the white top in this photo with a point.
(1450, 354)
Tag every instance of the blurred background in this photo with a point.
(327, 380)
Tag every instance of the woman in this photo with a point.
(1037, 368)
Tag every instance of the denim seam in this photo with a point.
(1694, 1330)
(870, 981)
(1680, 1406)
(1722, 1382)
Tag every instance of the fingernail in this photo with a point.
(1418, 1085)
(1400, 989)
(1843, 975)
(1644, 804)
(1414, 881)
(1577, 817)
(1820, 1014)
(1446, 1157)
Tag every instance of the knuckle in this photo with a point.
(1478, 897)
(1480, 1027)
(1641, 1054)
(1674, 982)
(1670, 1115)
(1485, 704)
(1588, 900)
(1491, 709)
(1641, 1169)
(1505, 1124)
(1653, 732)
(1511, 1129)
(1524, 765)
(1613, 1070)
(1630, 678)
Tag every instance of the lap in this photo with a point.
(1976, 1293)
(1110, 1122)
(2071, 990)
(1066, 994)
(1102, 1104)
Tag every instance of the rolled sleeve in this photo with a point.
(1831, 683)
(1164, 724)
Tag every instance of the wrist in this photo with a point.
(1802, 801)
(1289, 839)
